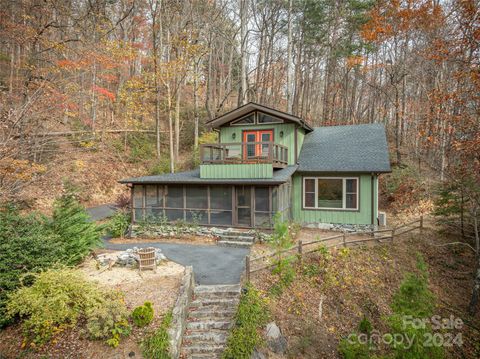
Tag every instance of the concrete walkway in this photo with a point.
(211, 264)
(101, 212)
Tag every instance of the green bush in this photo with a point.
(55, 301)
(414, 299)
(30, 243)
(143, 315)
(156, 345)
(76, 233)
(118, 224)
(161, 167)
(142, 147)
(352, 348)
(286, 275)
(108, 319)
(365, 326)
(252, 314)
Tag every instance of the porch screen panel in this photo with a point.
(221, 205)
(138, 202)
(154, 196)
(196, 204)
(262, 207)
(197, 197)
(174, 203)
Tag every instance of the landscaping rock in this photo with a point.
(129, 258)
(275, 340)
(258, 355)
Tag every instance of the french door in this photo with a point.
(256, 149)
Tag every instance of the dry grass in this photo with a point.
(361, 281)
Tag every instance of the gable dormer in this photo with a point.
(254, 140)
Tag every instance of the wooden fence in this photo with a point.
(302, 248)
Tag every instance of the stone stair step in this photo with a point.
(234, 244)
(221, 288)
(211, 314)
(210, 336)
(238, 238)
(219, 302)
(209, 324)
(204, 349)
(203, 356)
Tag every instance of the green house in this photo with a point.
(267, 161)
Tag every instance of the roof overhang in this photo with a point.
(251, 106)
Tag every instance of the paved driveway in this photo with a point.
(101, 212)
(211, 264)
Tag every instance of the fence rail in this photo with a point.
(300, 249)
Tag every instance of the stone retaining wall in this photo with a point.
(180, 312)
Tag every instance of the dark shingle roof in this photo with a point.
(279, 176)
(352, 148)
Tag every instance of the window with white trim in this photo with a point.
(340, 193)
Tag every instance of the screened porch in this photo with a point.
(212, 205)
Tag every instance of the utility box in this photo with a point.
(382, 218)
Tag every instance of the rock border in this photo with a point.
(180, 312)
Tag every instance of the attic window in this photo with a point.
(264, 118)
(247, 120)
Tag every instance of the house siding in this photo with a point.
(361, 216)
(236, 171)
(288, 138)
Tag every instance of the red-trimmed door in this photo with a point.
(257, 150)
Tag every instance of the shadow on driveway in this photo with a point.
(211, 264)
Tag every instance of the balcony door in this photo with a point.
(257, 150)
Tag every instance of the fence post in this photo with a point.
(393, 233)
(300, 250)
(421, 224)
(344, 239)
(247, 267)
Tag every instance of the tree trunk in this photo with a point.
(289, 61)
(243, 53)
(195, 106)
(472, 308)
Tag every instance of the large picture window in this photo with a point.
(330, 193)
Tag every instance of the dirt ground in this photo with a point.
(181, 239)
(159, 287)
(361, 281)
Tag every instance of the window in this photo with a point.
(330, 193)
(247, 120)
(264, 118)
(256, 118)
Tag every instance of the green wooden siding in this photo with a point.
(288, 138)
(362, 216)
(257, 170)
(300, 138)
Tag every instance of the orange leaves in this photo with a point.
(354, 61)
(104, 92)
(400, 18)
(19, 170)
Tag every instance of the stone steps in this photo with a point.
(234, 244)
(210, 317)
(233, 238)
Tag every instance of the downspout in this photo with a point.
(132, 211)
(372, 198)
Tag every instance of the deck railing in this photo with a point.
(244, 152)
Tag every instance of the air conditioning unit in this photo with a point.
(382, 218)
